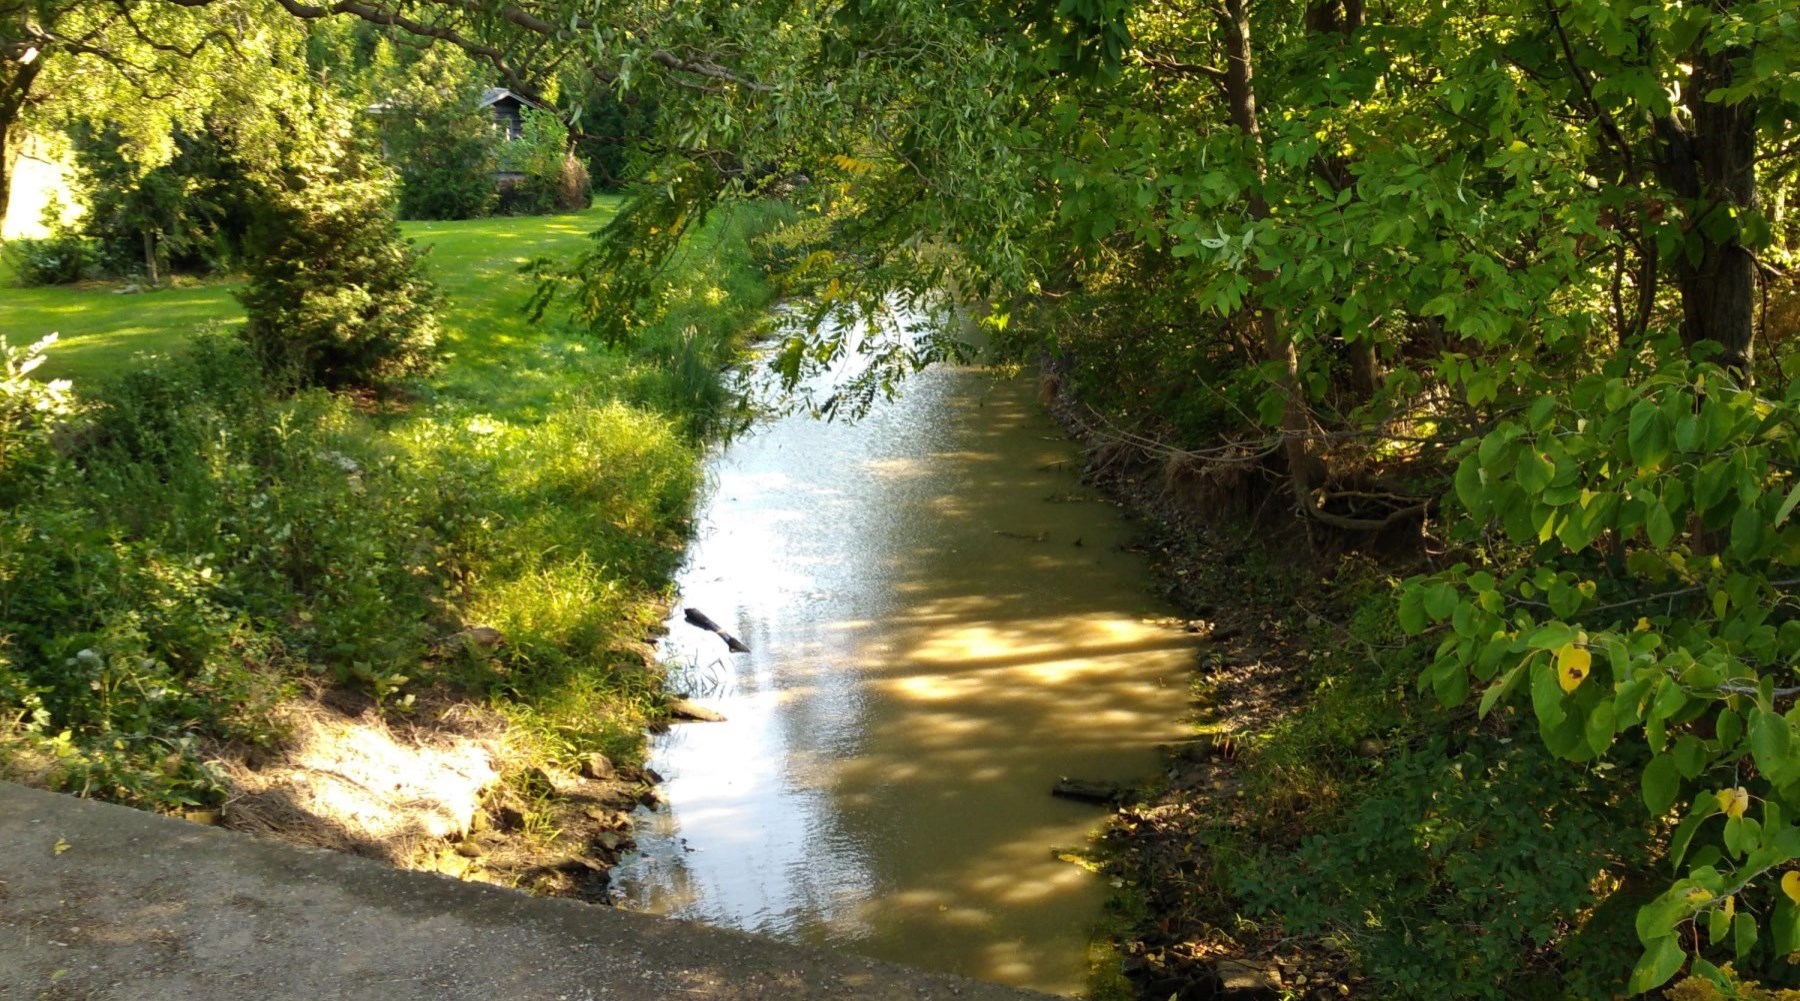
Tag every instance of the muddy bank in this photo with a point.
(1255, 600)
(442, 784)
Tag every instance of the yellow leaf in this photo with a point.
(1734, 801)
(1729, 907)
(60, 846)
(1572, 666)
(1790, 885)
(1699, 895)
(1643, 625)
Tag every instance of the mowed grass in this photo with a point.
(476, 263)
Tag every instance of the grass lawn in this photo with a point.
(476, 263)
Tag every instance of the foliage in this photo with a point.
(611, 130)
(1657, 602)
(29, 409)
(442, 146)
(59, 259)
(1435, 846)
(198, 538)
(189, 214)
(551, 178)
(335, 296)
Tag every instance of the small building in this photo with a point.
(508, 110)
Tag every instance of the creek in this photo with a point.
(942, 622)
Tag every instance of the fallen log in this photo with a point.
(696, 617)
(680, 708)
(1086, 791)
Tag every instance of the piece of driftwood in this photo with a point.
(698, 618)
(680, 708)
(1086, 791)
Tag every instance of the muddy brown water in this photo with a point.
(942, 622)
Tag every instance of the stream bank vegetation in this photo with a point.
(374, 569)
(1489, 310)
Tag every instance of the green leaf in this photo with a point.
(1499, 689)
(1690, 756)
(1784, 926)
(1658, 964)
(1787, 506)
(1771, 743)
(1746, 532)
(1469, 488)
(1412, 610)
(1600, 728)
(1661, 782)
(1450, 683)
(1440, 601)
(1647, 435)
(1702, 810)
(1534, 471)
(1659, 526)
(1546, 695)
(1551, 635)
(1743, 934)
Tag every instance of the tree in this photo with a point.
(144, 68)
(442, 145)
(335, 296)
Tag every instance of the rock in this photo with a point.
(1244, 982)
(1085, 791)
(478, 639)
(684, 710)
(597, 766)
(1369, 747)
(613, 842)
(653, 776)
(469, 849)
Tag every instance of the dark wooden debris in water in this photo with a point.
(1087, 791)
(698, 618)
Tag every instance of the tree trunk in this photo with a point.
(150, 258)
(1278, 345)
(15, 87)
(1710, 165)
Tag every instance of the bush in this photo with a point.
(28, 409)
(441, 144)
(1443, 886)
(187, 215)
(551, 178)
(335, 296)
(60, 259)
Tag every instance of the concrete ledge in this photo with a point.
(145, 907)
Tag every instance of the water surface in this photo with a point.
(942, 622)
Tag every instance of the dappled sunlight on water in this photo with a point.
(938, 633)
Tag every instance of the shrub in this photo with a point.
(441, 144)
(552, 179)
(187, 215)
(60, 259)
(335, 296)
(28, 409)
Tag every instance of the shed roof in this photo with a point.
(494, 95)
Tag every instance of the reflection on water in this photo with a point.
(940, 627)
